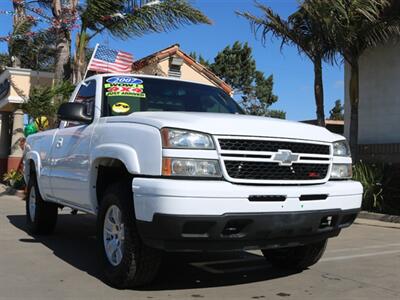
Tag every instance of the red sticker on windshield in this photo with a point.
(113, 90)
(126, 89)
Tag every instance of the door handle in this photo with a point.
(59, 142)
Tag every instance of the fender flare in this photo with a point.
(122, 152)
(35, 157)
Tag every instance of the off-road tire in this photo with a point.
(140, 263)
(45, 213)
(299, 258)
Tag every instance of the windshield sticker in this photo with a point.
(124, 80)
(109, 85)
(125, 90)
(126, 94)
(121, 108)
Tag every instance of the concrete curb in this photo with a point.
(379, 217)
(376, 223)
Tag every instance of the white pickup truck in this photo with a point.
(171, 165)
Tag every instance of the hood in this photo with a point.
(230, 124)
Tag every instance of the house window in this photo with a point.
(175, 64)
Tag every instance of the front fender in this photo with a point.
(35, 157)
(122, 152)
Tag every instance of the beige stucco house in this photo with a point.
(15, 84)
(379, 106)
(173, 62)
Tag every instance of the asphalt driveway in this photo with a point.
(362, 263)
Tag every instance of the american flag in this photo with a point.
(109, 60)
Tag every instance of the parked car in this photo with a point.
(172, 165)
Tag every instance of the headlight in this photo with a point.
(191, 167)
(341, 148)
(179, 138)
(341, 171)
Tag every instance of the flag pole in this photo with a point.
(87, 68)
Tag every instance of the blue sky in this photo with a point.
(293, 73)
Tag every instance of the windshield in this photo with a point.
(127, 94)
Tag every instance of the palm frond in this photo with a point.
(382, 32)
(269, 23)
(165, 16)
(353, 26)
(301, 29)
(22, 27)
(370, 10)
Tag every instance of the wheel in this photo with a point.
(41, 216)
(300, 257)
(126, 261)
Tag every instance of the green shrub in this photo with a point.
(14, 178)
(45, 101)
(371, 177)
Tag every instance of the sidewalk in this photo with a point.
(376, 223)
(379, 217)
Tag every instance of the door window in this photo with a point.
(87, 96)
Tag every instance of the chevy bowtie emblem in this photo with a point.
(286, 157)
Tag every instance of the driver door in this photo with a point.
(70, 156)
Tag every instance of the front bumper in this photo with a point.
(243, 231)
(190, 215)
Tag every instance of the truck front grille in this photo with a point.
(274, 161)
(272, 146)
(273, 171)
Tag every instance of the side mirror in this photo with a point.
(72, 111)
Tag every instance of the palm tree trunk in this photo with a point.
(62, 68)
(319, 92)
(80, 56)
(19, 16)
(354, 100)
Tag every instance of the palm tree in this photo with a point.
(354, 26)
(61, 10)
(120, 18)
(124, 19)
(30, 51)
(302, 30)
(20, 25)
